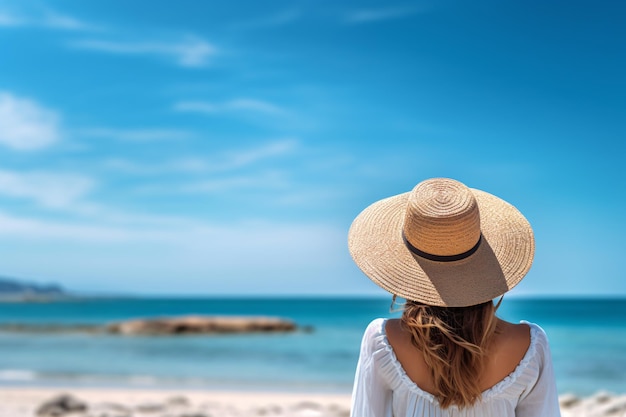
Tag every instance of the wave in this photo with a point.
(18, 375)
(24, 377)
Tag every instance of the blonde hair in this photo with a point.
(454, 341)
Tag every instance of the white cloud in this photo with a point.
(42, 19)
(25, 125)
(224, 162)
(106, 226)
(203, 236)
(25, 228)
(236, 159)
(374, 15)
(240, 104)
(50, 190)
(9, 20)
(137, 135)
(61, 21)
(255, 105)
(189, 52)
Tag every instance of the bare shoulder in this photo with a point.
(513, 333)
(510, 344)
(410, 358)
(393, 328)
(397, 336)
(399, 339)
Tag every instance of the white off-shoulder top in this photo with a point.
(383, 389)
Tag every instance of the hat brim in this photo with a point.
(502, 259)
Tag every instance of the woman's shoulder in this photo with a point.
(536, 331)
(539, 344)
(513, 335)
(524, 332)
(376, 328)
(521, 340)
(374, 336)
(520, 352)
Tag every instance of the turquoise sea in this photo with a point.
(587, 336)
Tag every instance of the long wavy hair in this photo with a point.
(454, 342)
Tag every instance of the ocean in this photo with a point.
(587, 336)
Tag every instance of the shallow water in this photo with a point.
(588, 340)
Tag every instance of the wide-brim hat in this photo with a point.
(443, 244)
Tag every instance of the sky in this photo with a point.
(224, 148)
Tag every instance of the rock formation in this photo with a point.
(201, 325)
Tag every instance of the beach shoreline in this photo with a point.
(114, 402)
(69, 401)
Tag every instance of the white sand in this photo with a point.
(24, 402)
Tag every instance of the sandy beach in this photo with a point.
(27, 402)
(92, 402)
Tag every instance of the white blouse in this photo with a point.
(383, 389)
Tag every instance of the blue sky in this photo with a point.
(225, 147)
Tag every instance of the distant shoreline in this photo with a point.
(36, 298)
(16, 298)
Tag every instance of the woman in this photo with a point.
(449, 251)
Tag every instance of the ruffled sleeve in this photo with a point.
(371, 394)
(540, 397)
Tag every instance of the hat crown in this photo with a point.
(442, 217)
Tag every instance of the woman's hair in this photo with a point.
(454, 341)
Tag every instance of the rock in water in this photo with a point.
(60, 406)
(201, 325)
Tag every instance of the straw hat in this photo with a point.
(443, 244)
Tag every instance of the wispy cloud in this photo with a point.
(277, 19)
(277, 244)
(240, 104)
(247, 256)
(48, 189)
(188, 52)
(25, 125)
(254, 105)
(29, 228)
(137, 135)
(43, 19)
(71, 194)
(375, 15)
(226, 161)
(187, 165)
(63, 21)
(237, 159)
(9, 20)
(264, 181)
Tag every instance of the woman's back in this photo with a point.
(508, 347)
(383, 387)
